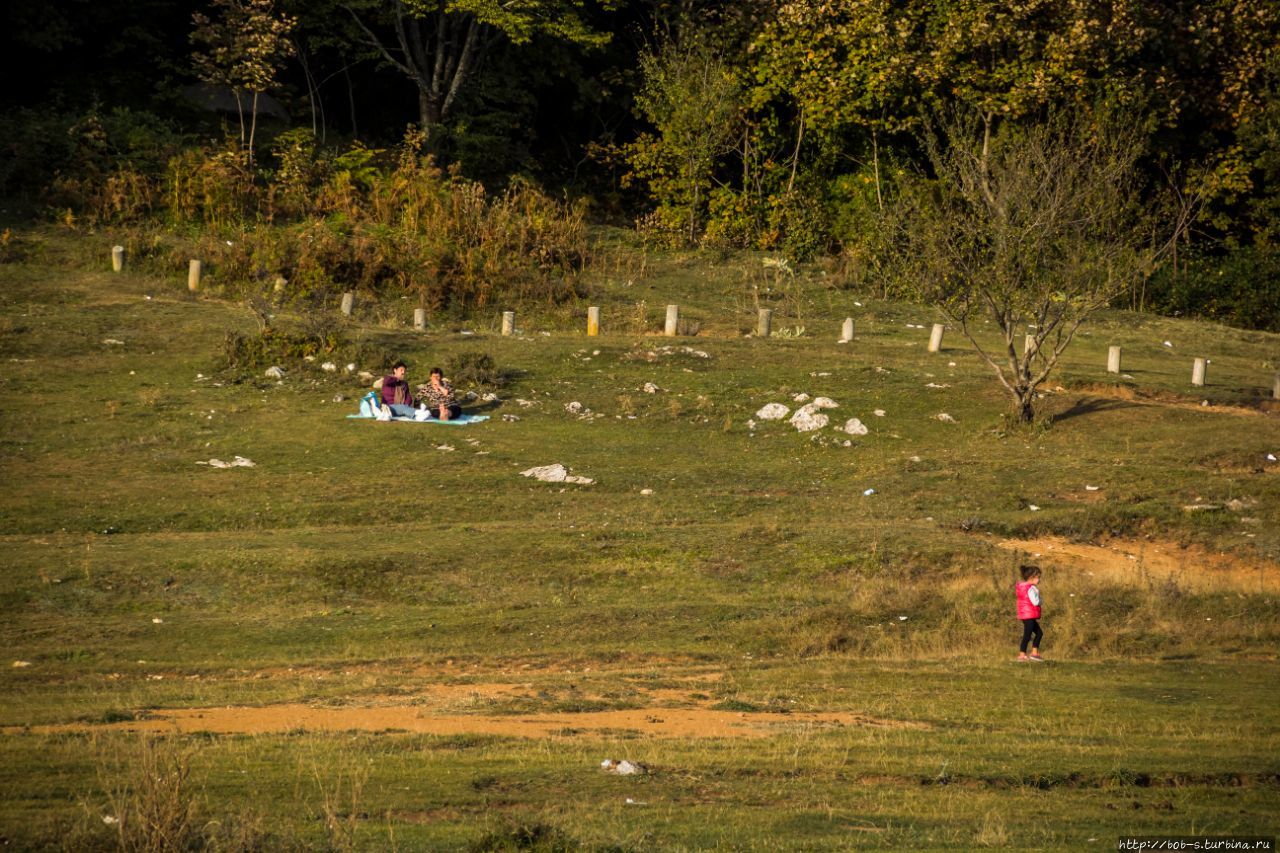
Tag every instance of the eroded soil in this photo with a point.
(1141, 561)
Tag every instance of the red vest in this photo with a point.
(1027, 610)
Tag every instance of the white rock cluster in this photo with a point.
(556, 473)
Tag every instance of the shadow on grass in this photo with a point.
(1091, 406)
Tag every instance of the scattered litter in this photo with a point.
(338, 398)
(158, 621)
(869, 492)
(110, 820)
(447, 448)
(650, 388)
(275, 373)
(1271, 457)
(1204, 402)
(879, 413)
(555, 474)
(632, 802)
(1092, 488)
(880, 369)
(853, 426)
(806, 419)
(623, 768)
(351, 367)
(944, 417)
(525, 403)
(646, 491)
(773, 412)
(951, 364)
(902, 618)
(859, 304)
(913, 459)
(936, 385)
(20, 664)
(329, 367)
(751, 424)
(113, 342)
(1168, 343)
(237, 462)
(510, 418)
(1033, 507)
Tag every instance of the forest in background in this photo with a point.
(448, 149)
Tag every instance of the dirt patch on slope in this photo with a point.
(650, 722)
(450, 709)
(1140, 561)
(1139, 396)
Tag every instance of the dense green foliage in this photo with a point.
(782, 125)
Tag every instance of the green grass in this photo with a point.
(359, 562)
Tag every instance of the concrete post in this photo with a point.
(593, 322)
(846, 332)
(935, 338)
(673, 320)
(508, 323)
(195, 269)
(1197, 372)
(420, 319)
(764, 323)
(348, 302)
(117, 258)
(1113, 359)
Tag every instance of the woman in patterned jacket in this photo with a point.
(437, 395)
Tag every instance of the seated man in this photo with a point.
(437, 396)
(396, 394)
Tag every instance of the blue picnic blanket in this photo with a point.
(369, 405)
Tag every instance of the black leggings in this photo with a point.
(1031, 627)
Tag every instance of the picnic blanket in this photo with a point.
(370, 403)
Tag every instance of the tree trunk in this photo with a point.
(1024, 405)
(428, 110)
(253, 127)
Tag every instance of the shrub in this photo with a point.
(474, 369)
(1240, 289)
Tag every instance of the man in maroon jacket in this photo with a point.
(396, 393)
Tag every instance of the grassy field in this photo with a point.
(382, 636)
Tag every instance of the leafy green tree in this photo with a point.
(694, 101)
(243, 49)
(1033, 229)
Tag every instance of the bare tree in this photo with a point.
(1034, 228)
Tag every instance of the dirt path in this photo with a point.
(1139, 561)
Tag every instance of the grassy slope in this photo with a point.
(366, 553)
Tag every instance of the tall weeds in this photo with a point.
(382, 222)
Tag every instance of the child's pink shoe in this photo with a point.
(1022, 656)
(1035, 656)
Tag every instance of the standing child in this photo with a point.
(1029, 613)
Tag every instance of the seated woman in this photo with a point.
(396, 394)
(437, 396)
